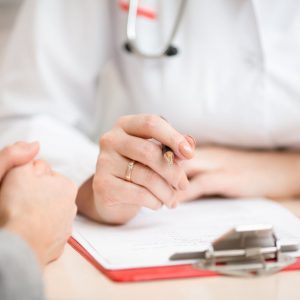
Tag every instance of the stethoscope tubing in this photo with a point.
(132, 36)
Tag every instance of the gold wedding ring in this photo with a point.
(129, 169)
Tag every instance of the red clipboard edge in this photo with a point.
(152, 273)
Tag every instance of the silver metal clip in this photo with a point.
(245, 251)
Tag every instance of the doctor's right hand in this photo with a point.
(132, 149)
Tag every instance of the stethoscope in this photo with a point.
(131, 45)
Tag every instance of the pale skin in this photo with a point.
(197, 172)
(233, 173)
(36, 203)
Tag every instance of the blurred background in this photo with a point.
(8, 10)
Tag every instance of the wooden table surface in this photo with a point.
(72, 277)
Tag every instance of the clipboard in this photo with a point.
(244, 249)
(143, 274)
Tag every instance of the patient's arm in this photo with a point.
(242, 173)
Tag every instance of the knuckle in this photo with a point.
(61, 250)
(57, 251)
(9, 152)
(175, 177)
(147, 150)
(54, 256)
(106, 140)
(150, 122)
(170, 194)
(74, 186)
(75, 210)
(42, 165)
(156, 205)
(68, 233)
(73, 189)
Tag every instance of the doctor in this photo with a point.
(224, 72)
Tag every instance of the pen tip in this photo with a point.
(169, 156)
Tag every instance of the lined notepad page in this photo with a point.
(152, 237)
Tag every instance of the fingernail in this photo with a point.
(34, 146)
(174, 205)
(39, 167)
(185, 149)
(35, 143)
(191, 140)
(27, 146)
(169, 205)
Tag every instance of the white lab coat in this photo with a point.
(66, 78)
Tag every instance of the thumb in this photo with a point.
(16, 155)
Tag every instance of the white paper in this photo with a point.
(152, 237)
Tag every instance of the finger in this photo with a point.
(149, 154)
(144, 176)
(152, 126)
(212, 183)
(41, 167)
(15, 155)
(208, 184)
(191, 141)
(207, 159)
(192, 193)
(115, 191)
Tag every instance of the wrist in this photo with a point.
(28, 234)
(90, 205)
(13, 222)
(283, 169)
(85, 200)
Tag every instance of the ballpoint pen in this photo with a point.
(167, 152)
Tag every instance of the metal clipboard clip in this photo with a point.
(244, 251)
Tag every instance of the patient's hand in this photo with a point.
(15, 155)
(39, 205)
(241, 173)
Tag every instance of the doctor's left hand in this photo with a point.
(132, 172)
(242, 173)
